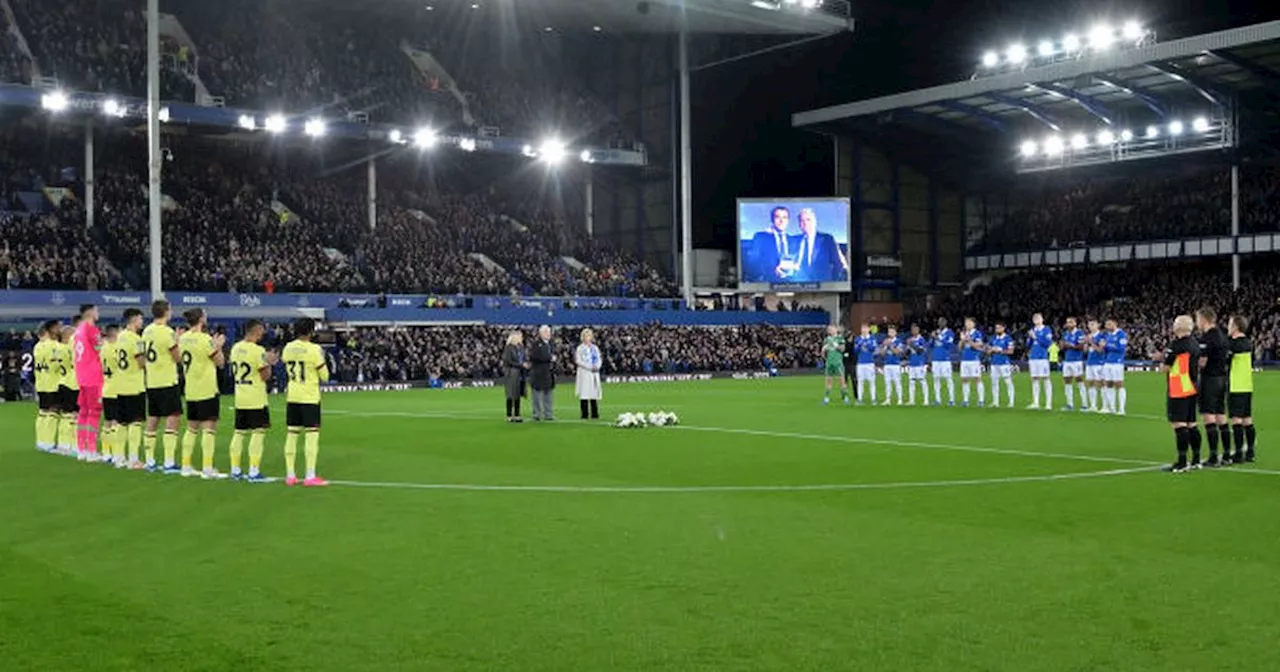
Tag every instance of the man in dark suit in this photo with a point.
(819, 255)
(542, 375)
(767, 249)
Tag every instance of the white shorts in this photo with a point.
(916, 372)
(866, 371)
(1113, 373)
(940, 369)
(1072, 369)
(1001, 371)
(893, 371)
(1039, 368)
(1093, 372)
(970, 369)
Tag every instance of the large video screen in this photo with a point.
(793, 244)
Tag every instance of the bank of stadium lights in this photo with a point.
(54, 101)
(163, 115)
(315, 127)
(552, 151)
(775, 5)
(112, 108)
(275, 124)
(1104, 140)
(425, 138)
(247, 122)
(467, 144)
(1099, 38)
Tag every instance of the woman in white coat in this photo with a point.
(589, 362)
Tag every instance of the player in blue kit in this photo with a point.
(865, 347)
(1113, 392)
(1001, 348)
(1072, 344)
(917, 364)
(972, 347)
(943, 341)
(1094, 359)
(1039, 338)
(891, 350)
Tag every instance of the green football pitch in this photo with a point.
(766, 533)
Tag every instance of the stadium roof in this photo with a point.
(663, 16)
(1214, 75)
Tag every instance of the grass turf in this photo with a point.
(106, 570)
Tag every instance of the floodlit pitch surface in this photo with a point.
(940, 539)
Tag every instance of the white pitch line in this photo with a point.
(676, 489)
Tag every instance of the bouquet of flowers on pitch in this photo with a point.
(653, 419)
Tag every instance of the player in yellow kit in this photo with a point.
(68, 392)
(45, 363)
(250, 370)
(127, 370)
(164, 399)
(112, 452)
(306, 367)
(201, 359)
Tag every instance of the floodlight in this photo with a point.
(1176, 127)
(990, 59)
(810, 4)
(1101, 37)
(425, 138)
(395, 136)
(54, 101)
(1029, 149)
(1200, 124)
(1046, 49)
(1016, 54)
(274, 124)
(475, 5)
(112, 108)
(552, 150)
(527, 150)
(163, 115)
(1132, 31)
(247, 122)
(1152, 132)
(585, 156)
(1106, 137)
(1126, 135)
(315, 127)
(1070, 43)
(596, 29)
(1079, 141)
(467, 144)
(1053, 146)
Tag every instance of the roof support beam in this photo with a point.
(992, 120)
(1038, 113)
(1141, 94)
(1201, 87)
(1090, 104)
(1256, 69)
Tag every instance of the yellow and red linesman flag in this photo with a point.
(1180, 385)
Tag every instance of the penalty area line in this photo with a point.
(693, 489)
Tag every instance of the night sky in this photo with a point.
(743, 143)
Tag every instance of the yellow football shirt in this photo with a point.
(198, 352)
(67, 367)
(126, 372)
(247, 362)
(158, 342)
(107, 356)
(306, 366)
(45, 365)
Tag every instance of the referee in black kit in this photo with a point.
(1182, 364)
(1215, 358)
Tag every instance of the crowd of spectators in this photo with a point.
(475, 352)
(53, 251)
(1144, 300)
(1192, 204)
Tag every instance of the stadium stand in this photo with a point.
(1194, 203)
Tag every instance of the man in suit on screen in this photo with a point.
(768, 249)
(818, 253)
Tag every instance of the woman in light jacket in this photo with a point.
(514, 364)
(589, 362)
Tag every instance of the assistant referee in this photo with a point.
(1215, 358)
(1181, 362)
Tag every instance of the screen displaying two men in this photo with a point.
(794, 242)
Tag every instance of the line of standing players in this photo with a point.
(139, 390)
